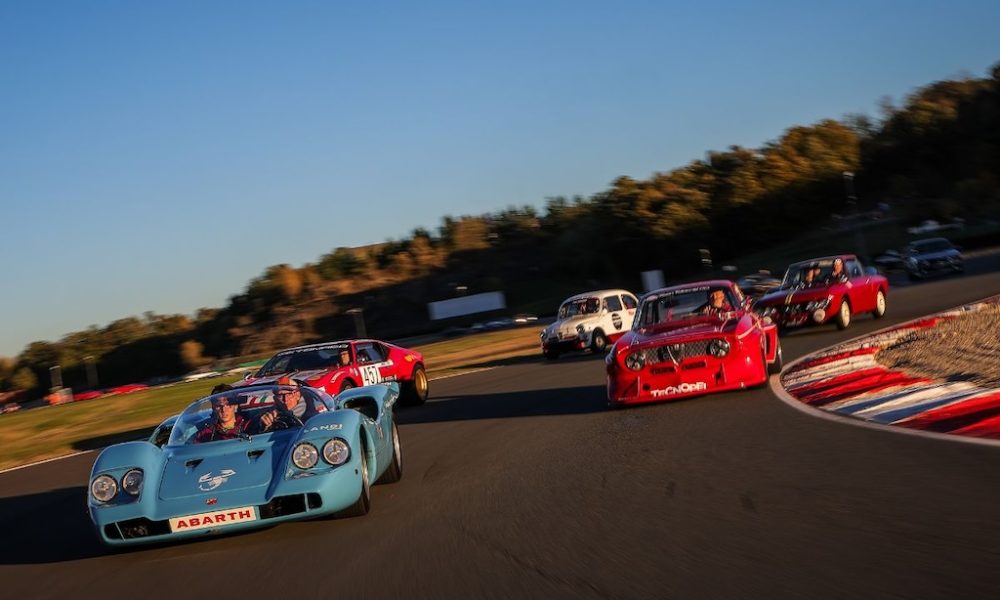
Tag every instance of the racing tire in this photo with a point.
(879, 311)
(599, 342)
(416, 390)
(395, 471)
(775, 367)
(843, 318)
(363, 504)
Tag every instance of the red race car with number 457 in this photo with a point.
(689, 340)
(338, 366)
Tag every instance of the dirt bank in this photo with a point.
(965, 348)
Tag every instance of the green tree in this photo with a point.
(24, 379)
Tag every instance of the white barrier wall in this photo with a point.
(466, 305)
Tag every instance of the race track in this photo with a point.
(519, 483)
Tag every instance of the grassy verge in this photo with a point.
(32, 435)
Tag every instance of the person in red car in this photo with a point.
(837, 275)
(226, 425)
(716, 304)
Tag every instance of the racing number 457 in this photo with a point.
(370, 375)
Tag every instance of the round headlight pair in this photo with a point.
(635, 361)
(335, 452)
(718, 348)
(104, 487)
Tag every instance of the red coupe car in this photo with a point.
(689, 340)
(821, 290)
(338, 366)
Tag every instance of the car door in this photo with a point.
(373, 362)
(631, 303)
(615, 321)
(861, 292)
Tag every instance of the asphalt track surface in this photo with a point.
(519, 483)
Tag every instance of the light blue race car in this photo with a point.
(248, 457)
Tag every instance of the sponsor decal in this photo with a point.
(209, 482)
(213, 519)
(409, 358)
(683, 388)
(616, 320)
(330, 427)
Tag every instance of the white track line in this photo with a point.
(42, 462)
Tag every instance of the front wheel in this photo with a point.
(879, 311)
(417, 388)
(775, 367)
(599, 342)
(551, 354)
(844, 315)
(364, 502)
(395, 471)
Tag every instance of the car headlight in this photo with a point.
(635, 361)
(718, 348)
(132, 482)
(336, 451)
(103, 488)
(818, 304)
(305, 456)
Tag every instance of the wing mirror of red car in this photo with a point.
(247, 375)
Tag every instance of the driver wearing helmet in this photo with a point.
(716, 304)
(225, 424)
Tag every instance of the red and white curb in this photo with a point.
(846, 380)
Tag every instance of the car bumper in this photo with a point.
(296, 499)
(692, 377)
(561, 346)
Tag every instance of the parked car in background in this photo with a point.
(890, 260)
(759, 283)
(689, 340)
(924, 258)
(341, 365)
(812, 294)
(591, 320)
(931, 226)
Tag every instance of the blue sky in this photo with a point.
(157, 156)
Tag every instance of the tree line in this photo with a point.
(936, 155)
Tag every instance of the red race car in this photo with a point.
(821, 290)
(338, 366)
(689, 340)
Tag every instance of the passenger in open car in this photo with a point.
(226, 424)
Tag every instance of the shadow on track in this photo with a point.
(560, 401)
(47, 528)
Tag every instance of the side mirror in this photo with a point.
(247, 375)
(871, 271)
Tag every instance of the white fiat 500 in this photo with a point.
(591, 320)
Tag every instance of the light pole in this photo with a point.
(91, 372)
(359, 321)
(852, 202)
